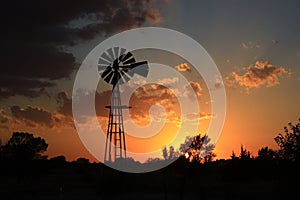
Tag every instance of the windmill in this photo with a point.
(115, 67)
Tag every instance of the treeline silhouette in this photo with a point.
(25, 173)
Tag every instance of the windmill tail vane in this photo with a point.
(116, 67)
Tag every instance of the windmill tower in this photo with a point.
(115, 67)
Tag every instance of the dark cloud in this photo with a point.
(66, 22)
(65, 103)
(28, 70)
(39, 117)
(153, 15)
(101, 100)
(13, 85)
(36, 62)
(3, 117)
(34, 35)
(33, 115)
(5, 121)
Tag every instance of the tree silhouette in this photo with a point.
(266, 154)
(233, 156)
(198, 149)
(289, 142)
(23, 146)
(171, 154)
(244, 154)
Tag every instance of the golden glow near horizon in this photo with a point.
(168, 114)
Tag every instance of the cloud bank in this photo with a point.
(34, 36)
(262, 73)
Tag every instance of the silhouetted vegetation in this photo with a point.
(289, 142)
(198, 149)
(170, 154)
(23, 147)
(272, 174)
(244, 154)
(267, 154)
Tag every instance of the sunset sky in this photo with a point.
(255, 45)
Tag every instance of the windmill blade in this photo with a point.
(130, 60)
(116, 66)
(102, 67)
(127, 59)
(124, 72)
(142, 69)
(121, 51)
(117, 51)
(121, 79)
(109, 77)
(125, 76)
(111, 54)
(101, 61)
(136, 64)
(106, 57)
(124, 57)
(106, 72)
(100, 71)
(115, 78)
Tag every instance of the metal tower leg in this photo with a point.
(115, 142)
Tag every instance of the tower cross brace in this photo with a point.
(115, 146)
